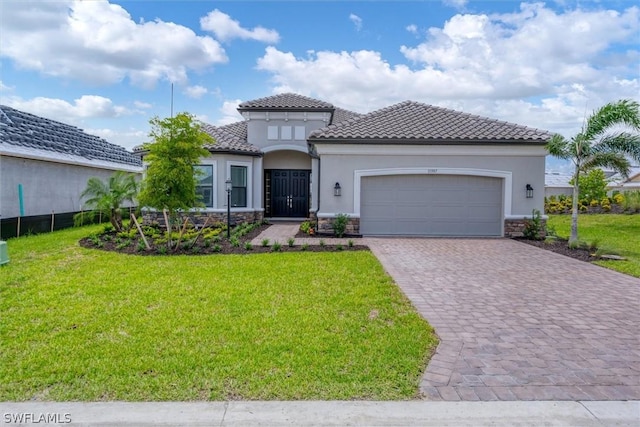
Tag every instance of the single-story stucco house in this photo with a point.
(556, 183)
(47, 164)
(408, 169)
(622, 184)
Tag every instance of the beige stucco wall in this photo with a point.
(46, 186)
(257, 127)
(524, 165)
(221, 166)
(286, 159)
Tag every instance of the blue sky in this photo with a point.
(108, 66)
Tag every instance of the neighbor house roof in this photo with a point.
(286, 101)
(421, 123)
(557, 180)
(632, 181)
(27, 135)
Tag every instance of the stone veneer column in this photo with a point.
(515, 227)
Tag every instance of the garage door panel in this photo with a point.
(484, 195)
(436, 205)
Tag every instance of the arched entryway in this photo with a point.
(287, 179)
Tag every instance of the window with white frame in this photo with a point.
(285, 132)
(238, 186)
(204, 187)
(300, 133)
(272, 132)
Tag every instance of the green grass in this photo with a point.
(614, 233)
(88, 325)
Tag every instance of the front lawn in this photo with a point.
(83, 324)
(619, 234)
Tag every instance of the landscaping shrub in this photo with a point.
(340, 224)
(631, 202)
(593, 185)
(307, 228)
(533, 229)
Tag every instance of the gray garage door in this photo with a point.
(431, 205)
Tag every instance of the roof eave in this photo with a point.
(238, 152)
(422, 141)
(296, 109)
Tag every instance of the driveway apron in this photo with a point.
(517, 322)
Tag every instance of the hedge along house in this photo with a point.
(409, 169)
(47, 164)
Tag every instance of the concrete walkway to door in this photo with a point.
(517, 322)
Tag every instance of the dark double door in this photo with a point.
(289, 193)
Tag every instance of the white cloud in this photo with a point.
(225, 28)
(413, 29)
(127, 138)
(98, 42)
(536, 67)
(458, 4)
(82, 111)
(357, 21)
(87, 106)
(195, 92)
(4, 87)
(142, 105)
(229, 112)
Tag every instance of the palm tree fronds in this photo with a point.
(558, 146)
(624, 112)
(622, 142)
(615, 161)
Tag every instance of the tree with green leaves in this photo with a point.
(592, 185)
(170, 182)
(608, 139)
(107, 197)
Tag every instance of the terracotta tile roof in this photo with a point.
(231, 137)
(27, 131)
(421, 123)
(286, 101)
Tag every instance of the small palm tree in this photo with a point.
(608, 139)
(107, 197)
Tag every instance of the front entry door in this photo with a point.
(289, 193)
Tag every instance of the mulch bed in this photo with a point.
(561, 246)
(225, 246)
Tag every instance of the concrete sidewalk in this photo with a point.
(281, 232)
(317, 413)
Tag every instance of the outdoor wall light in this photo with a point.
(337, 190)
(228, 186)
(529, 191)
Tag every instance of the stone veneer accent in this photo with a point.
(515, 227)
(199, 218)
(512, 227)
(325, 226)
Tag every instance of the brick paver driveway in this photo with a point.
(517, 322)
